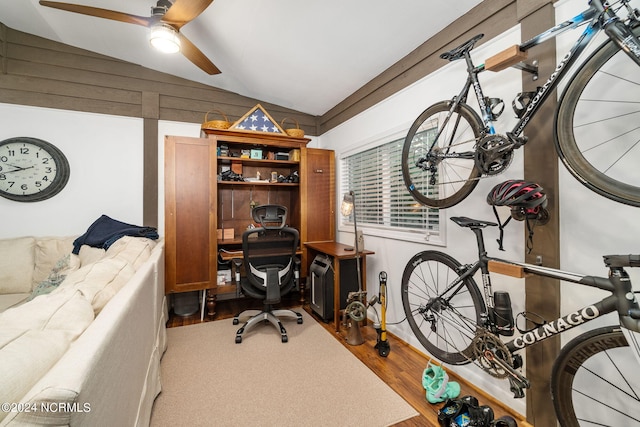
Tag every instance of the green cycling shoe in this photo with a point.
(436, 382)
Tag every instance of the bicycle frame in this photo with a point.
(618, 284)
(622, 298)
(598, 17)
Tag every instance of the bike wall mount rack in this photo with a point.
(529, 68)
(512, 57)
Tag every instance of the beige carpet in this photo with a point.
(209, 380)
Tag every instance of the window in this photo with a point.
(383, 203)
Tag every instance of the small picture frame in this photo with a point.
(256, 154)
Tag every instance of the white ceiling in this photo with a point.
(307, 55)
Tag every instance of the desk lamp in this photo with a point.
(348, 207)
(355, 308)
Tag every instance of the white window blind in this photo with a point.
(382, 200)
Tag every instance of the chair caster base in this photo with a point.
(267, 315)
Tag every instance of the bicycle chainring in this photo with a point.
(487, 347)
(493, 154)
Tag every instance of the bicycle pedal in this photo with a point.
(517, 388)
(518, 141)
(517, 361)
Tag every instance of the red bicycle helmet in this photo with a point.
(526, 199)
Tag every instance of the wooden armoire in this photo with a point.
(207, 207)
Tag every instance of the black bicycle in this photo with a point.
(450, 146)
(594, 380)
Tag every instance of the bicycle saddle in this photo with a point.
(459, 51)
(463, 221)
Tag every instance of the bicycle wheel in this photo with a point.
(438, 155)
(595, 381)
(444, 317)
(597, 132)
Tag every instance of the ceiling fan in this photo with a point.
(165, 16)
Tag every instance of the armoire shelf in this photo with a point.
(249, 183)
(265, 162)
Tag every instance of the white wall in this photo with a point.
(590, 225)
(105, 156)
(392, 118)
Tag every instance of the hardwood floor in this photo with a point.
(402, 369)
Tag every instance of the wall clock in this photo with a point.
(31, 169)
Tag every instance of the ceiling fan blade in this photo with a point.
(101, 13)
(184, 11)
(193, 54)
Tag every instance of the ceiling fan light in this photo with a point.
(164, 38)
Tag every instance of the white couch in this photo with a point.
(88, 352)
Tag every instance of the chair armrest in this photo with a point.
(296, 269)
(237, 262)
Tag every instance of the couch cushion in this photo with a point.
(10, 300)
(48, 252)
(25, 356)
(56, 276)
(134, 250)
(89, 255)
(65, 310)
(35, 335)
(17, 260)
(100, 281)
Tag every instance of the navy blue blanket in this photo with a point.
(104, 231)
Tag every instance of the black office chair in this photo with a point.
(271, 267)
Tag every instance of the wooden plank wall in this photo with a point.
(44, 73)
(541, 166)
(41, 72)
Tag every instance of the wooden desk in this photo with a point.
(238, 254)
(338, 252)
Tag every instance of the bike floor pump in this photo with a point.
(382, 344)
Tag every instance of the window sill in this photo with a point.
(436, 239)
